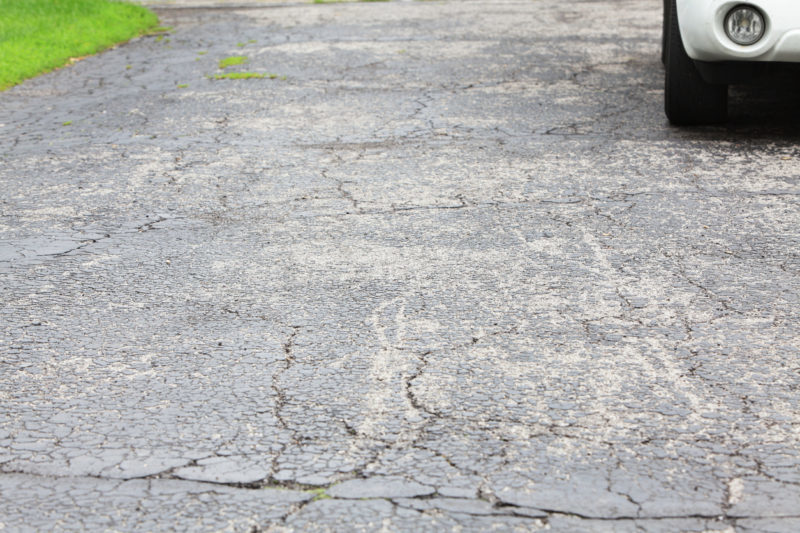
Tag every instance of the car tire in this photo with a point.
(664, 30)
(688, 98)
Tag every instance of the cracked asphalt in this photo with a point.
(448, 269)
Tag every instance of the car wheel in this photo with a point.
(664, 30)
(688, 98)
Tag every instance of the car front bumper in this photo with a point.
(703, 35)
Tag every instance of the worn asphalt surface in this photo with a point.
(449, 269)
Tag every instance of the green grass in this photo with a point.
(37, 36)
(231, 61)
(246, 76)
(344, 1)
(238, 60)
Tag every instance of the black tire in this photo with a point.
(664, 31)
(688, 98)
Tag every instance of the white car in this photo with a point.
(710, 44)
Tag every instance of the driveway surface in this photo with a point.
(444, 267)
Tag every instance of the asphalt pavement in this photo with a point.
(435, 266)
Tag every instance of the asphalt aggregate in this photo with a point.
(425, 266)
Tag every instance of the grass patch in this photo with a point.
(232, 61)
(37, 36)
(344, 1)
(240, 76)
(182, 85)
(247, 76)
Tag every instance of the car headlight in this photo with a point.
(744, 25)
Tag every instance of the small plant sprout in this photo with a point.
(232, 61)
(248, 76)
(240, 76)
